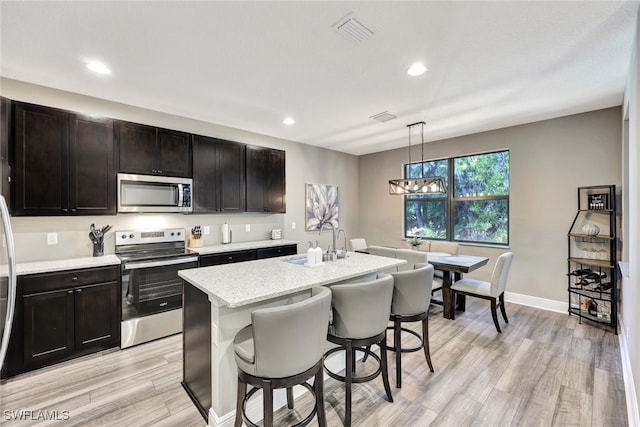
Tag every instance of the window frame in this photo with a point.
(450, 200)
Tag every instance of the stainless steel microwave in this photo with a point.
(148, 193)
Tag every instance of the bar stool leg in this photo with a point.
(385, 369)
(267, 402)
(425, 341)
(242, 391)
(397, 345)
(290, 397)
(318, 385)
(347, 384)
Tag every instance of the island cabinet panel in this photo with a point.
(266, 181)
(64, 163)
(196, 348)
(63, 315)
(219, 175)
(149, 150)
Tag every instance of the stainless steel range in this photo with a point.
(151, 288)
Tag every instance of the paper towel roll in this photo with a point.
(225, 233)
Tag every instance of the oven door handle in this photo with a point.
(136, 265)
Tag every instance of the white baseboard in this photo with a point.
(335, 363)
(629, 385)
(542, 303)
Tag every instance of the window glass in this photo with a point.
(482, 221)
(475, 207)
(481, 175)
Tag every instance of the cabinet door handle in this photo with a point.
(78, 290)
(73, 210)
(74, 279)
(65, 210)
(70, 291)
(230, 257)
(159, 171)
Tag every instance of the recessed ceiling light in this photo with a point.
(288, 121)
(417, 69)
(98, 67)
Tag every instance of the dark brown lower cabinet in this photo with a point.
(63, 315)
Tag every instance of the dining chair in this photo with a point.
(283, 347)
(493, 290)
(357, 244)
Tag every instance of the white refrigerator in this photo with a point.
(7, 279)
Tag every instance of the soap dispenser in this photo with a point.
(311, 254)
(318, 251)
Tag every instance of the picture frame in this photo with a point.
(598, 201)
(321, 206)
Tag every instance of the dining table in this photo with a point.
(453, 267)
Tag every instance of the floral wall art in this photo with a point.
(322, 206)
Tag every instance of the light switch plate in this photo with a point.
(293, 225)
(52, 238)
(207, 230)
(247, 227)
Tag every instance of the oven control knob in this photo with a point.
(178, 233)
(131, 236)
(124, 236)
(172, 233)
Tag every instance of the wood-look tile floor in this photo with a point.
(545, 369)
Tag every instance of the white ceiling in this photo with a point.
(248, 65)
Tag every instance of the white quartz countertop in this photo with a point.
(23, 268)
(230, 247)
(239, 284)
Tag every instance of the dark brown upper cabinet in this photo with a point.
(218, 175)
(64, 162)
(5, 126)
(149, 150)
(266, 183)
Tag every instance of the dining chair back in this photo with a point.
(358, 244)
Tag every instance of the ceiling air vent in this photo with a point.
(352, 29)
(385, 116)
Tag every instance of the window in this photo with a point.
(475, 207)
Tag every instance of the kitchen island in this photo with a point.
(218, 301)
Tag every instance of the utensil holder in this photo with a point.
(98, 247)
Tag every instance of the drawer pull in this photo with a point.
(70, 291)
(74, 279)
(162, 304)
(78, 290)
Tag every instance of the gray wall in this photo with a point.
(549, 159)
(630, 292)
(304, 164)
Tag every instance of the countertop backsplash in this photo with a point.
(30, 233)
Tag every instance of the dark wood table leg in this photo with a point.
(461, 300)
(447, 297)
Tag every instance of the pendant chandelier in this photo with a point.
(422, 184)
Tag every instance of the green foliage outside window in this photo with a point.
(476, 206)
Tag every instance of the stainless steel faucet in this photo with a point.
(344, 247)
(333, 245)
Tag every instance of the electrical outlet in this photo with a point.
(207, 230)
(247, 227)
(52, 238)
(293, 225)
